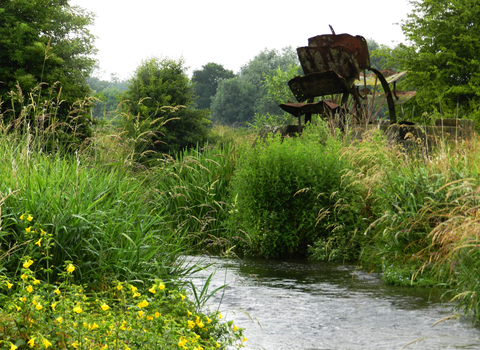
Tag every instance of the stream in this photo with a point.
(302, 305)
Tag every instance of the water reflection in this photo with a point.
(304, 305)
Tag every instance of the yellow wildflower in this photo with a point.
(208, 320)
(157, 314)
(22, 216)
(244, 340)
(39, 242)
(182, 296)
(29, 218)
(189, 313)
(199, 322)
(9, 285)
(140, 314)
(53, 306)
(122, 327)
(134, 289)
(144, 303)
(60, 319)
(105, 307)
(38, 307)
(182, 341)
(77, 309)
(191, 324)
(136, 294)
(13, 347)
(149, 318)
(35, 281)
(29, 229)
(28, 263)
(57, 291)
(46, 342)
(94, 326)
(75, 345)
(18, 308)
(119, 286)
(217, 345)
(153, 290)
(31, 342)
(24, 277)
(161, 286)
(220, 316)
(42, 232)
(70, 268)
(29, 289)
(235, 328)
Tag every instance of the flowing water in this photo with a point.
(299, 305)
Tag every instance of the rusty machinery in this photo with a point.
(335, 65)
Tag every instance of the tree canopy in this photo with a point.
(47, 43)
(159, 102)
(442, 54)
(206, 83)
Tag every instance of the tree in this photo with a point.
(240, 98)
(159, 103)
(442, 56)
(48, 43)
(206, 82)
(107, 94)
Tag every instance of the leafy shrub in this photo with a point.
(287, 193)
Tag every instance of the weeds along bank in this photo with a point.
(88, 256)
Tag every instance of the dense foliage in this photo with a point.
(206, 82)
(441, 56)
(45, 49)
(160, 91)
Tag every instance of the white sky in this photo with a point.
(229, 33)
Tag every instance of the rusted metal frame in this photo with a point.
(388, 93)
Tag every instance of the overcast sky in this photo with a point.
(229, 33)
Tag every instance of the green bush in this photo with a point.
(288, 193)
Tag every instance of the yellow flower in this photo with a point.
(53, 306)
(42, 232)
(220, 316)
(244, 340)
(208, 320)
(57, 291)
(182, 296)
(105, 307)
(75, 345)
(31, 342)
(134, 289)
(77, 309)
(70, 268)
(144, 303)
(182, 341)
(35, 281)
(140, 314)
(136, 295)
(18, 308)
(189, 313)
(9, 285)
(161, 286)
(199, 322)
(153, 290)
(191, 324)
(60, 319)
(24, 277)
(39, 242)
(122, 327)
(235, 328)
(29, 229)
(119, 287)
(149, 318)
(28, 263)
(29, 289)
(38, 307)
(29, 218)
(217, 345)
(46, 342)
(13, 347)
(94, 325)
(157, 314)
(22, 216)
